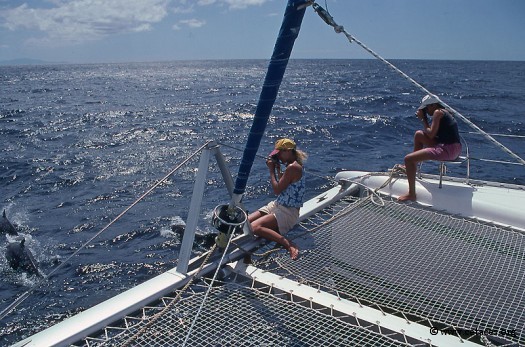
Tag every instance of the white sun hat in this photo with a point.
(428, 100)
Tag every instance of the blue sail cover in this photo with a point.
(289, 31)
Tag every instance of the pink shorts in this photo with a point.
(286, 216)
(444, 152)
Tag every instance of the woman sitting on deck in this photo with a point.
(438, 141)
(275, 219)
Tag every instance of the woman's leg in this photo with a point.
(255, 215)
(421, 140)
(266, 227)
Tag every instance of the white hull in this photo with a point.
(501, 204)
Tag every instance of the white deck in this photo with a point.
(501, 204)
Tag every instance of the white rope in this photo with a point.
(340, 29)
(210, 287)
(25, 295)
(502, 135)
(158, 315)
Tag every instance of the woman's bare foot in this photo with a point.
(407, 197)
(293, 250)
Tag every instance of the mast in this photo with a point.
(289, 31)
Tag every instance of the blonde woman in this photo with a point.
(274, 220)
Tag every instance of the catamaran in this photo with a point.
(447, 270)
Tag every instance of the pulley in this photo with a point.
(227, 219)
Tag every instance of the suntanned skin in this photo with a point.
(265, 225)
(422, 138)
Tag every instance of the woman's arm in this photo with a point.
(423, 118)
(291, 174)
(436, 119)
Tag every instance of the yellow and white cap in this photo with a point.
(282, 144)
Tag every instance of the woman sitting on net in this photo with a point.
(274, 220)
(437, 141)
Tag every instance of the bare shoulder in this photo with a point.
(296, 170)
(438, 114)
(296, 167)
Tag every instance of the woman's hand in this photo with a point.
(421, 114)
(271, 164)
(275, 167)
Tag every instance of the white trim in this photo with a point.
(350, 308)
(73, 329)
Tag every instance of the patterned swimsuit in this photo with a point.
(293, 195)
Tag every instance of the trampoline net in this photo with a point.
(460, 276)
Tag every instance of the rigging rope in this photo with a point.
(328, 19)
(25, 295)
(210, 287)
(174, 301)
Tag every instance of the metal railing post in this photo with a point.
(194, 212)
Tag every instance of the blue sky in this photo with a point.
(87, 31)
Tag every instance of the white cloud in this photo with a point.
(180, 9)
(232, 4)
(240, 4)
(186, 6)
(84, 20)
(63, 22)
(193, 23)
(206, 2)
(182, 6)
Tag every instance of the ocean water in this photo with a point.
(81, 143)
